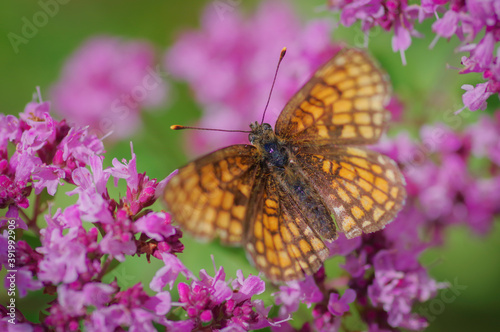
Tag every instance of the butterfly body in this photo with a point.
(273, 151)
(277, 160)
(299, 184)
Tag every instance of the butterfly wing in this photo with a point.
(209, 197)
(280, 239)
(362, 188)
(343, 103)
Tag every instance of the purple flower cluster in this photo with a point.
(465, 19)
(46, 153)
(72, 260)
(389, 280)
(231, 60)
(329, 306)
(390, 15)
(106, 83)
(211, 304)
(442, 188)
(384, 279)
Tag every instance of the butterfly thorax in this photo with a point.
(273, 150)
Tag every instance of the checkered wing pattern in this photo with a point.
(343, 103)
(209, 197)
(362, 188)
(281, 241)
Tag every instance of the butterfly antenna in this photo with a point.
(179, 127)
(282, 55)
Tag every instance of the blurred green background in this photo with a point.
(430, 92)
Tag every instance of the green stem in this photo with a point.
(25, 217)
(36, 211)
(104, 268)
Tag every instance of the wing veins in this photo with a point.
(297, 210)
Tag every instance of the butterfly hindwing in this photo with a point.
(280, 240)
(362, 188)
(343, 103)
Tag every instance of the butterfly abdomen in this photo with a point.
(313, 210)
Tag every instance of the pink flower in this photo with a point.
(389, 14)
(126, 170)
(47, 153)
(340, 306)
(169, 273)
(296, 292)
(447, 25)
(131, 308)
(211, 300)
(49, 177)
(475, 97)
(464, 19)
(119, 239)
(484, 138)
(399, 282)
(65, 256)
(155, 225)
(106, 83)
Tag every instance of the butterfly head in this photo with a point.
(260, 133)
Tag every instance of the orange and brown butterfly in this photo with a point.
(295, 187)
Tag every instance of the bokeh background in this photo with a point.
(429, 91)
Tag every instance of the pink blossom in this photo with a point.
(340, 306)
(106, 83)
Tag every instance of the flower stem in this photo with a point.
(36, 211)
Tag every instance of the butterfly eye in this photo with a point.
(251, 137)
(267, 126)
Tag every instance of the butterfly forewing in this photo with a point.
(362, 188)
(209, 197)
(343, 103)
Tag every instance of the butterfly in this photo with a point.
(292, 189)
